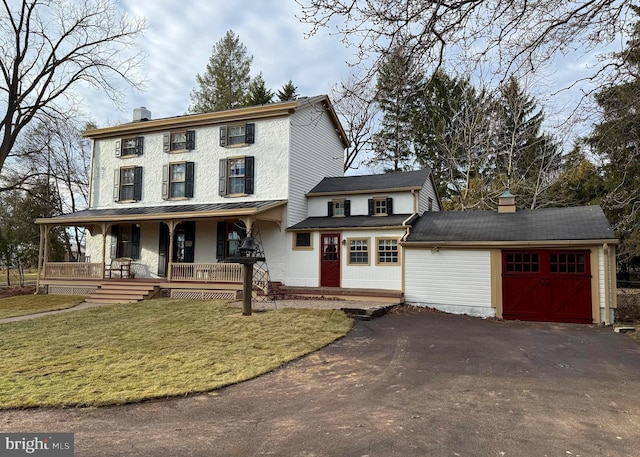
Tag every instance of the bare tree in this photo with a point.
(353, 102)
(516, 35)
(49, 47)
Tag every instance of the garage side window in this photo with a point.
(523, 263)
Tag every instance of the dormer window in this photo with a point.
(380, 206)
(339, 208)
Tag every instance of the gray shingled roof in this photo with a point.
(372, 183)
(166, 211)
(548, 224)
(395, 220)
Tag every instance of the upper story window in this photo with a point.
(127, 184)
(177, 180)
(237, 134)
(339, 208)
(128, 147)
(179, 140)
(380, 206)
(236, 176)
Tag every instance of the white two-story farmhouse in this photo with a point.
(171, 201)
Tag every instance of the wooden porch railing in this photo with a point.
(212, 272)
(205, 272)
(73, 270)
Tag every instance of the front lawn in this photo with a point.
(152, 349)
(19, 305)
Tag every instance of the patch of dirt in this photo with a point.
(404, 308)
(11, 291)
(628, 306)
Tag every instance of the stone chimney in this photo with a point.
(507, 202)
(141, 114)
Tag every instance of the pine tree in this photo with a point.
(225, 82)
(288, 92)
(526, 160)
(399, 79)
(258, 93)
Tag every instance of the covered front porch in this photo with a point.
(188, 250)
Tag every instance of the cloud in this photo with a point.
(179, 42)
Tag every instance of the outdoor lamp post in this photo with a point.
(248, 259)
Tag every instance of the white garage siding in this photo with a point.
(455, 281)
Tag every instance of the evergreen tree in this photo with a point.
(225, 82)
(399, 79)
(525, 159)
(258, 93)
(616, 140)
(288, 92)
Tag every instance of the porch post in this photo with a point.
(105, 228)
(40, 264)
(172, 227)
(46, 248)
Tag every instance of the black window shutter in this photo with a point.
(371, 207)
(139, 145)
(389, 205)
(223, 135)
(114, 241)
(190, 241)
(137, 184)
(222, 189)
(347, 207)
(191, 139)
(166, 142)
(249, 171)
(250, 133)
(220, 237)
(330, 209)
(188, 180)
(135, 242)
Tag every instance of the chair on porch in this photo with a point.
(119, 268)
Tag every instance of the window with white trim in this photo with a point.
(358, 251)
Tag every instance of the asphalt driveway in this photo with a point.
(406, 384)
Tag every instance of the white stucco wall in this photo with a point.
(455, 281)
(271, 152)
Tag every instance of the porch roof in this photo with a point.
(352, 222)
(166, 212)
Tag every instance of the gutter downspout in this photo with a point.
(607, 288)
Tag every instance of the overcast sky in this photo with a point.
(180, 38)
(181, 35)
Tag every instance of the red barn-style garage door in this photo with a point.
(547, 285)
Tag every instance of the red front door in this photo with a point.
(547, 286)
(330, 260)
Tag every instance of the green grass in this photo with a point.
(15, 277)
(153, 349)
(20, 305)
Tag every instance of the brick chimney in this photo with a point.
(507, 202)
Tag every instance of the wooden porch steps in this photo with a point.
(123, 292)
